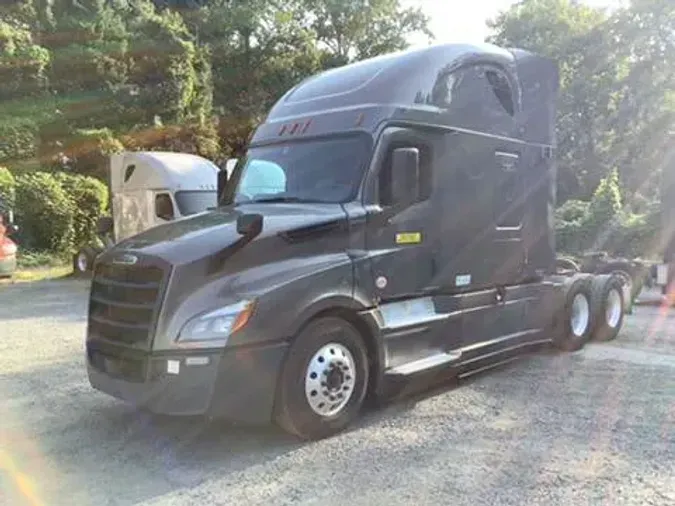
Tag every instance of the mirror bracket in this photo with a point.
(249, 225)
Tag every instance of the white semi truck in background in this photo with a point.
(148, 188)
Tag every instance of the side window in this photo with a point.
(262, 177)
(501, 88)
(483, 101)
(129, 172)
(509, 204)
(164, 206)
(425, 176)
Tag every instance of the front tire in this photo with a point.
(83, 261)
(324, 380)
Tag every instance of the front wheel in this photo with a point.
(83, 261)
(324, 380)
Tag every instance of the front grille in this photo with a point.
(124, 303)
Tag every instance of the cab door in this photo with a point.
(400, 237)
(399, 233)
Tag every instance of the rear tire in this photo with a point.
(607, 303)
(324, 380)
(576, 314)
(564, 264)
(632, 279)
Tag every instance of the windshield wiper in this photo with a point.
(285, 199)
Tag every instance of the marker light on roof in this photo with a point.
(304, 129)
(282, 130)
(295, 128)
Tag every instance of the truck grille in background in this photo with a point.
(124, 303)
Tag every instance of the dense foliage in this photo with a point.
(81, 79)
(616, 120)
(58, 211)
(7, 189)
(45, 213)
(89, 201)
(605, 224)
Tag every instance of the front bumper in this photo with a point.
(238, 384)
(7, 265)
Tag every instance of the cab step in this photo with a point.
(420, 375)
(426, 364)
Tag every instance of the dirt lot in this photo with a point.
(594, 427)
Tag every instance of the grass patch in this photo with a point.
(38, 266)
(38, 259)
(41, 273)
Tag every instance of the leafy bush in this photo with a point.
(44, 213)
(198, 139)
(602, 224)
(638, 234)
(89, 151)
(604, 214)
(35, 259)
(7, 188)
(89, 199)
(570, 220)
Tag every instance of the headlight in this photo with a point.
(216, 326)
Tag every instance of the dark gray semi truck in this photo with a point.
(390, 221)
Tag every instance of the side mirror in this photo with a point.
(405, 168)
(104, 225)
(222, 181)
(164, 207)
(249, 225)
(11, 228)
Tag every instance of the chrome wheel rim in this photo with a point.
(82, 262)
(580, 315)
(613, 308)
(330, 379)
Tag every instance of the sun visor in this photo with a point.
(539, 81)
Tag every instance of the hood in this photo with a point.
(188, 240)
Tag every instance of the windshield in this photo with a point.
(320, 170)
(193, 202)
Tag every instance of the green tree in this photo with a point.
(350, 30)
(617, 98)
(567, 32)
(23, 78)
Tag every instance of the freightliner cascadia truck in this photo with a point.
(391, 220)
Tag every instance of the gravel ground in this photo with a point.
(593, 427)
